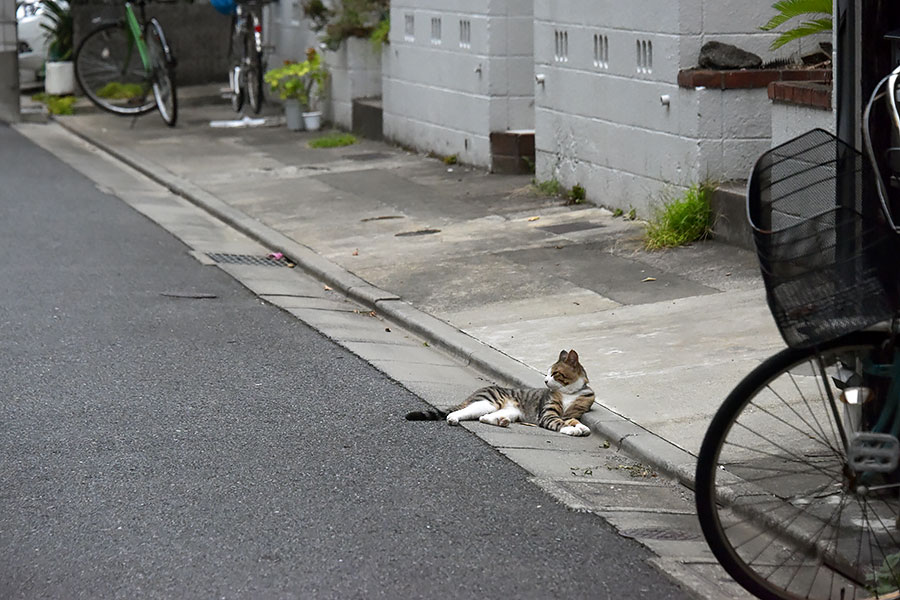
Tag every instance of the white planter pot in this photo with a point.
(312, 120)
(292, 115)
(60, 78)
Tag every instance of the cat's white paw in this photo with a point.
(580, 429)
(452, 419)
(494, 420)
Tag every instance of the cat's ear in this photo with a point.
(562, 355)
(571, 358)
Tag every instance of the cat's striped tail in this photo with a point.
(426, 415)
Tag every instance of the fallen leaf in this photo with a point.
(646, 279)
(533, 218)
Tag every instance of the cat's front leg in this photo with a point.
(575, 427)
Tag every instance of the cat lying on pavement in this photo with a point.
(557, 408)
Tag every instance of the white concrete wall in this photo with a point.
(355, 70)
(9, 63)
(791, 120)
(446, 91)
(599, 119)
(292, 34)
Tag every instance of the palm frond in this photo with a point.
(807, 28)
(789, 9)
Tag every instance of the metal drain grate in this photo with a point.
(417, 232)
(661, 533)
(248, 259)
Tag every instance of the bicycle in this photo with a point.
(126, 67)
(245, 51)
(797, 481)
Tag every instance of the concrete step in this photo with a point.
(729, 207)
(366, 117)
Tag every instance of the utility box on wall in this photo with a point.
(452, 76)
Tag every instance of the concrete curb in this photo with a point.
(630, 437)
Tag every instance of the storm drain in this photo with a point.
(417, 232)
(248, 259)
(661, 533)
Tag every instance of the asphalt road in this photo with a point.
(157, 446)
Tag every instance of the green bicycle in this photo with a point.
(127, 68)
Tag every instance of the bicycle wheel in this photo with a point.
(254, 68)
(163, 75)
(109, 71)
(237, 75)
(782, 507)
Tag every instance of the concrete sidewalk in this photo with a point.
(485, 267)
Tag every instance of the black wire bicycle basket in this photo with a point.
(827, 255)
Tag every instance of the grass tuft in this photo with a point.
(333, 140)
(681, 220)
(57, 105)
(551, 187)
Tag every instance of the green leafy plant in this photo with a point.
(681, 220)
(381, 33)
(450, 160)
(60, 31)
(333, 140)
(304, 81)
(577, 194)
(338, 20)
(818, 13)
(550, 187)
(57, 105)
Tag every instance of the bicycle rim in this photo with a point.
(163, 80)
(779, 505)
(109, 71)
(254, 82)
(253, 58)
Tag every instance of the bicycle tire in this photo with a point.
(236, 49)
(109, 71)
(254, 82)
(778, 504)
(163, 73)
(254, 66)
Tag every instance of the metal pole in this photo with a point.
(9, 63)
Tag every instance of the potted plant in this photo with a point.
(301, 86)
(59, 78)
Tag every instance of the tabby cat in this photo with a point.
(557, 408)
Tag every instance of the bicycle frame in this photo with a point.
(138, 35)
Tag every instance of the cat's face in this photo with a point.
(566, 374)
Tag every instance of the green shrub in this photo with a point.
(333, 140)
(681, 220)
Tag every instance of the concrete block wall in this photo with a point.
(9, 64)
(453, 73)
(610, 115)
(355, 70)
